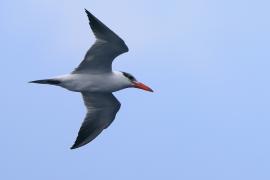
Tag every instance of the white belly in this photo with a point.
(109, 82)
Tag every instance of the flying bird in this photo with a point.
(95, 80)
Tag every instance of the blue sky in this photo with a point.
(208, 62)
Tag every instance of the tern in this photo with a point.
(96, 81)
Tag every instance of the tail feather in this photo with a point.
(46, 81)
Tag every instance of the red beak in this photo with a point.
(142, 86)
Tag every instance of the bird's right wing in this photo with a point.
(108, 46)
(101, 111)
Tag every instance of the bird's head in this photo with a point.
(134, 83)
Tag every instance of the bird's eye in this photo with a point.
(129, 76)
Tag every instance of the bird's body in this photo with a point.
(96, 81)
(85, 82)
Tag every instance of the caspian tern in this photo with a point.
(96, 81)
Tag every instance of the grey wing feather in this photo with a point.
(101, 111)
(108, 46)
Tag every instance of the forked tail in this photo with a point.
(46, 81)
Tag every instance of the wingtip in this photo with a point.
(87, 12)
(89, 15)
(74, 146)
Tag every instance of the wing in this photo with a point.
(108, 46)
(101, 111)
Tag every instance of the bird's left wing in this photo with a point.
(108, 46)
(101, 111)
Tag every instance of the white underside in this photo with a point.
(85, 82)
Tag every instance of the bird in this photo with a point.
(96, 81)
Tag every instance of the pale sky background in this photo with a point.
(208, 62)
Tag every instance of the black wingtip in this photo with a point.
(90, 16)
(74, 146)
(87, 12)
